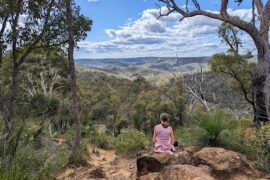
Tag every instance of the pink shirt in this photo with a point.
(163, 139)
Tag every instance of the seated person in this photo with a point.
(163, 136)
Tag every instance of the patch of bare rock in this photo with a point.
(193, 164)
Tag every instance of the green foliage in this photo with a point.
(235, 140)
(209, 130)
(245, 123)
(42, 105)
(235, 66)
(229, 35)
(13, 173)
(240, 70)
(262, 144)
(193, 136)
(79, 158)
(217, 129)
(32, 163)
(99, 139)
(214, 124)
(130, 141)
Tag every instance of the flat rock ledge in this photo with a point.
(194, 164)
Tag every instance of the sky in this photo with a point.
(130, 28)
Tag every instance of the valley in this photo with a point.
(145, 66)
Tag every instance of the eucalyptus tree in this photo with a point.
(31, 25)
(75, 155)
(258, 30)
(236, 66)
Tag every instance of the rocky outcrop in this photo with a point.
(175, 172)
(224, 163)
(208, 163)
(155, 162)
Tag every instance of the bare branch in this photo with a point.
(248, 27)
(259, 6)
(253, 13)
(166, 14)
(196, 4)
(195, 90)
(267, 10)
(187, 5)
(224, 6)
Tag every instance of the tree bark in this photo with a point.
(75, 155)
(261, 85)
(9, 121)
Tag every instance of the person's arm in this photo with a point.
(172, 136)
(155, 136)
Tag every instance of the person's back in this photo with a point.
(163, 136)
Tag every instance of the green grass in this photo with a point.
(217, 129)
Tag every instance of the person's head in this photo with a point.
(164, 119)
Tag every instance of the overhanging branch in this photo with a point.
(248, 27)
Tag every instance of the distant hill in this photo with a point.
(146, 66)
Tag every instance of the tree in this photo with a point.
(260, 36)
(34, 24)
(236, 66)
(75, 155)
(242, 73)
(174, 92)
(195, 89)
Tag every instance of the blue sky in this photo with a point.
(128, 28)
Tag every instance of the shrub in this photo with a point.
(214, 124)
(245, 123)
(13, 173)
(130, 141)
(262, 144)
(236, 141)
(216, 129)
(41, 105)
(101, 140)
(194, 136)
(43, 163)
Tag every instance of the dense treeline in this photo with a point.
(42, 121)
(44, 115)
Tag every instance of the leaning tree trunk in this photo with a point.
(75, 155)
(9, 112)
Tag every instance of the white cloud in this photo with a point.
(148, 36)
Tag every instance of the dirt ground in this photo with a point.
(103, 164)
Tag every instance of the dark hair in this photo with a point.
(164, 117)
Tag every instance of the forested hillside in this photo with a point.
(65, 118)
